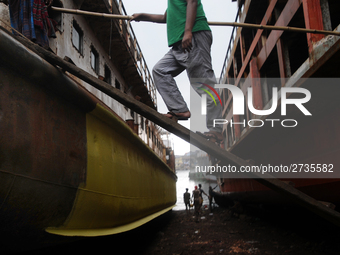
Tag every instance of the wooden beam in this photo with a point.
(282, 64)
(287, 14)
(256, 39)
(237, 127)
(313, 19)
(87, 13)
(211, 23)
(7, 47)
(243, 47)
(256, 85)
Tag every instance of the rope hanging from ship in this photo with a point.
(211, 23)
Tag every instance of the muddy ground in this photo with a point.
(252, 231)
(247, 233)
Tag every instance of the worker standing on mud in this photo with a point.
(201, 194)
(186, 198)
(190, 39)
(196, 196)
(211, 196)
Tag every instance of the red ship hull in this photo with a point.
(254, 60)
(251, 191)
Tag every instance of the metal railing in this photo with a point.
(135, 50)
(229, 49)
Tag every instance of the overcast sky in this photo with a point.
(153, 42)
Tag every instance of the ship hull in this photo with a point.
(68, 164)
(252, 192)
(315, 141)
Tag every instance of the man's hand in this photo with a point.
(137, 17)
(189, 24)
(48, 2)
(187, 41)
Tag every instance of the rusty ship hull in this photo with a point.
(284, 59)
(69, 166)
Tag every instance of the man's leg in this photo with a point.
(200, 70)
(163, 73)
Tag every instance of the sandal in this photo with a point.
(212, 136)
(175, 117)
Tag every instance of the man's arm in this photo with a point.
(204, 192)
(157, 18)
(190, 22)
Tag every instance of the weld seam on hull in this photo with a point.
(111, 195)
(9, 192)
(39, 180)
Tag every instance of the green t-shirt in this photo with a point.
(176, 19)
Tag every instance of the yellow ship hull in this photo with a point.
(126, 183)
(68, 164)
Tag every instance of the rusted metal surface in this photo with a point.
(42, 145)
(42, 160)
(314, 140)
(43, 133)
(131, 124)
(247, 190)
(313, 20)
(328, 50)
(43, 156)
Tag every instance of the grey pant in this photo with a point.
(198, 66)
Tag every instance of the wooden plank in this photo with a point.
(182, 132)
